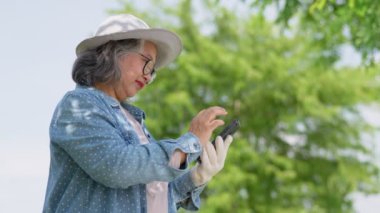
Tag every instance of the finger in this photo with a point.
(199, 115)
(215, 111)
(222, 153)
(204, 158)
(220, 149)
(211, 153)
(201, 112)
(211, 112)
(217, 108)
(216, 123)
(228, 142)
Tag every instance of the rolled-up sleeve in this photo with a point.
(89, 135)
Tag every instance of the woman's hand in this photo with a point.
(206, 122)
(213, 159)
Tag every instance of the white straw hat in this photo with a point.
(126, 26)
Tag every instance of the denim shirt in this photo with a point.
(98, 164)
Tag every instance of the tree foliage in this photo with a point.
(300, 148)
(334, 22)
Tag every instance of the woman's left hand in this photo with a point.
(213, 159)
(205, 122)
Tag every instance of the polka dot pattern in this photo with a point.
(98, 165)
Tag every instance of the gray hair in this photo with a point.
(100, 65)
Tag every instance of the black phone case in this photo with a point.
(228, 130)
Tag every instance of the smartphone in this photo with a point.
(230, 129)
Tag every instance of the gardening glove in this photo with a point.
(212, 159)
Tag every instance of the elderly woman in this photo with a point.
(103, 158)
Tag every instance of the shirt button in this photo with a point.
(196, 146)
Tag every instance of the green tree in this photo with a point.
(333, 22)
(300, 147)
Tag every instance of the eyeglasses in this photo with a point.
(148, 68)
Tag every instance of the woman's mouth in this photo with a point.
(141, 84)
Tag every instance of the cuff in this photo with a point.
(191, 199)
(189, 144)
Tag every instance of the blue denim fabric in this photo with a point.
(98, 164)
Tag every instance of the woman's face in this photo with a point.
(131, 67)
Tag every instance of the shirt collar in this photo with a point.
(135, 111)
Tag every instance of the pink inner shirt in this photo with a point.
(157, 191)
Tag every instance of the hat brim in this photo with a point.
(168, 44)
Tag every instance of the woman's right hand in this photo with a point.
(205, 122)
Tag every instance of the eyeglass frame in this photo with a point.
(152, 71)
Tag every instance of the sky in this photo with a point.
(38, 39)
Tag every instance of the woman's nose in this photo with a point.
(147, 78)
